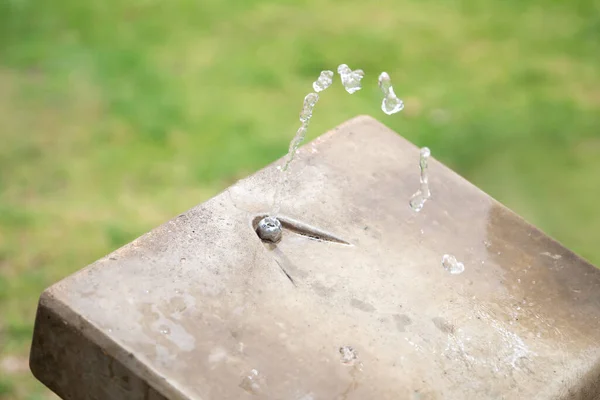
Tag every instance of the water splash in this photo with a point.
(323, 81)
(350, 79)
(417, 201)
(452, 265)
(390, 104)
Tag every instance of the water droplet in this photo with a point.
(350, 79)
(417, 201)
(252, 382)
(348, 355)
(324, 80)
(452, 265)
(164, 330)
(390, 104)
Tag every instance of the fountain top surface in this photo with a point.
(352, 303)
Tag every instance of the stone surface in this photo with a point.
(200, 308)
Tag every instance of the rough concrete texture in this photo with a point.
(200, 308)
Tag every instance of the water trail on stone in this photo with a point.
(324, 80)
(417, 201)
(350, 79)
(390, 104)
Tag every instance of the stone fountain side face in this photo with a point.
(198, 306)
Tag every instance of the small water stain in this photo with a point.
(321, 290)
(217, 355)
(177, 304)
(552, 256)
(348, 355)
(402, 321)
(361, 305)
(443, 325)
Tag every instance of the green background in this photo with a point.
(116, 115)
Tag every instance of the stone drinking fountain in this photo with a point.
(350, 294)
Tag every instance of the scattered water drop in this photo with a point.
(252, 382)
(452, 265)
(417, 201)
(350, 79)
(390, 104)
(323, 81)
(348, 355)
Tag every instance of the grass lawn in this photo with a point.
(116, 115)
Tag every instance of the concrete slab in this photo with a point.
(200, 308)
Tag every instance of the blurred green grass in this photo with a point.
(116, 115)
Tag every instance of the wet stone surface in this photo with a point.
(202, 308)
